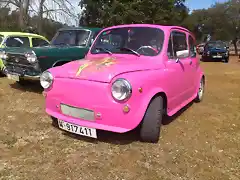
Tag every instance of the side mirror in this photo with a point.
(182, 54)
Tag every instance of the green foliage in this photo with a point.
(222, 21)
(9, 22)
(103, 13)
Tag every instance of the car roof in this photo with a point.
(80, 28)
(21, 34)
(163, 27)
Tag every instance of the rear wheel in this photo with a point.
(152, 121)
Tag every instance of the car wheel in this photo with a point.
(226, 60)
(22, 81)
(54, 122)
(152, 121)
(200, 91)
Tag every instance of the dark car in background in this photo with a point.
(216, 51)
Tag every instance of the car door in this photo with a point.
(38, 42)
(178, 68)
(194, 65)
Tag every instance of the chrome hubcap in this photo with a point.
(201, 89)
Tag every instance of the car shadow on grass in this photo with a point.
(120, 138)
(169, 119)
(105, 136)
(31, 86)
(108, 137)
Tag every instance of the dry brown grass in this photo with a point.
(202, 143)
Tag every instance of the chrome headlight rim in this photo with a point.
(127, 85)
(31, 57)
(3, 55)
(46, 80)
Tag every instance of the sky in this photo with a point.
(191, 4)
(200, 4)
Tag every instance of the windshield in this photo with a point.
(130, 40)
(216, 45)
(71, 38)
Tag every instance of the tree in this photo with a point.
(221, 21)
(22, 6)
(104, 13)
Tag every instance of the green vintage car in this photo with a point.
(67, 45)
(20, 39)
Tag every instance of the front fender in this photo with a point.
(146, 101)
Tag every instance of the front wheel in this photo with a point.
(200, 93)
(152, 121)
(22, 81)
(226, 60)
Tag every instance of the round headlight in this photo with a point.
(121, 90)
(46, 79)
(3, 55)
(31, 57)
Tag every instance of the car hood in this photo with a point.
(217, 50)
(38, 50)
(103, 69)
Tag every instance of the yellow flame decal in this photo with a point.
(81, 68)
(103, 62)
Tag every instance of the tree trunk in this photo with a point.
(40, 17)
(235, 46)
(21, 17)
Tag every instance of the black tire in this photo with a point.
(2, 74)
(22, 81)
(199, 97)
(152, 121)
(54, 122)
(225, 60)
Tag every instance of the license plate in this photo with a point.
(76, 129)
(13, 77)
(217, 56)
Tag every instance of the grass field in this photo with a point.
(202, 142)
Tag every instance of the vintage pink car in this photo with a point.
(131, 77)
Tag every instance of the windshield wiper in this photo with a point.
(129, 49)
(105, 50)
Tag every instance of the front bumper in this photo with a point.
(23, 71)
(96, 97)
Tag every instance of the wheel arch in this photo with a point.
(164, 96)
(60, 62)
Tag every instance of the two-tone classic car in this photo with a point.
(132, 76)
(216, 50)
(67, 45)
(19, 40)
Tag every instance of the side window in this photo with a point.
(93, 36)
(192, 47)
(170, 48)
(36, 42)
(179, 42)
(17, 42)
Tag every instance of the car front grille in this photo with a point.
(17, 58)
(23, 70)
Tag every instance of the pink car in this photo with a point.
(132, 76)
